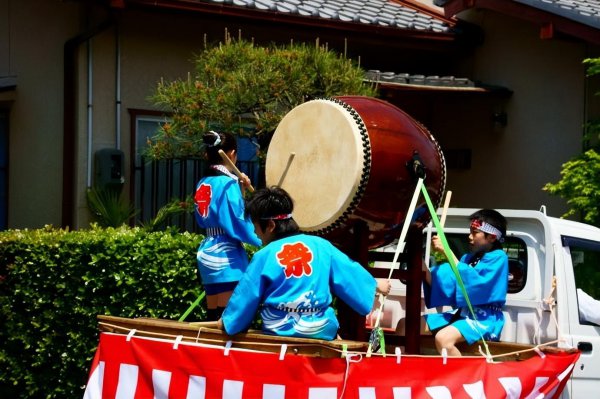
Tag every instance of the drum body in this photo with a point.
(347, 162)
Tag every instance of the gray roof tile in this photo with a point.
(372, 12)
(586, 12)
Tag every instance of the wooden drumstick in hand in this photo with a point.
(234, 168)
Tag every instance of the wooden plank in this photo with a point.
(170, 329)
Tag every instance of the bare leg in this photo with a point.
(447, 338)
(212, 301)
(223, 298)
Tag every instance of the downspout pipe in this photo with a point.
(69, 121)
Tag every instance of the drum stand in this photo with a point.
(352, 325)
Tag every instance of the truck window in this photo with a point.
(585, 256)
(514, 247)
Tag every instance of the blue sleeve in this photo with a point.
(232, 218)
(442, 290)
(351, 282)
(246, 298)
(487, 282)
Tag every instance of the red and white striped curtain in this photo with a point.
(128, 367)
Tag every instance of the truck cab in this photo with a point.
(551, 262)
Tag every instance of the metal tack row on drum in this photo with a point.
(353, 159)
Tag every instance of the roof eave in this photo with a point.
(278, 17)
(548, 22)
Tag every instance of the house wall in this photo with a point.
(546, 113)
(509, 165)
(32, 35)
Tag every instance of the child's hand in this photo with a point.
(245, 181)
(436, 244)
(384, 287)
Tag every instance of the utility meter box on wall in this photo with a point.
(109, 169)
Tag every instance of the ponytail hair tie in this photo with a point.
(217, 140)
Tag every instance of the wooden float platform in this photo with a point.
(206, 333)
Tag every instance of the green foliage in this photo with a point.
(240, 87)
(108, 207)
(165, 213)
(54, 282)
(579, 184)
(593, 66)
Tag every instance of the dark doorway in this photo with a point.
(3, 169)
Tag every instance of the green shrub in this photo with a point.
(248, 89)
(53, 284)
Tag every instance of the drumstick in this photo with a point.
(442, 222)
(287, 167)
(233, 167)
(206, 324)
(445, 208)
(443, 218)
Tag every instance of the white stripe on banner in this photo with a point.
(439, 392)
(366, 393)
(93, 390)
(475, 390)
(272, 391)
(160, 383)
(128, 376)
(322, 393)
(232, 389)
(402, 393)
(512, 386)
(196, 387)
(560, 378)
(539, 383)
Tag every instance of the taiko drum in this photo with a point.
(351, 165)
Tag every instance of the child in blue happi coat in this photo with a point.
(291, 281)
(220, 211)
(484, 272)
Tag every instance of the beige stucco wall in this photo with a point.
(32, 33)
(545, 116)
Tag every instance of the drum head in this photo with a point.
(331, 161)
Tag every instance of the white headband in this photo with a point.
(486, 228)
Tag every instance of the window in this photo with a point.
(156, 183)
(585, 256)
(145, 127)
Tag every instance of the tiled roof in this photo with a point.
(583, 11)
(372, 12)
(586, 12)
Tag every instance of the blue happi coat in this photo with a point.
(486, 283)
(220, 210)
(291, 282)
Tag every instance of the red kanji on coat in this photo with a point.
(295, 259)
(202, 198)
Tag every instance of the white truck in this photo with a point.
(550, 260)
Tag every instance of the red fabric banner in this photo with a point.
(139, 368)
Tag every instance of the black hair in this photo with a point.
(494, 218)
(269, 202)
(215, 141)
